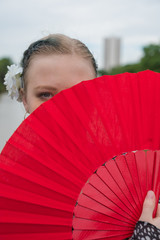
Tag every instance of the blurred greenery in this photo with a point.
(4, 62)
(150, 60)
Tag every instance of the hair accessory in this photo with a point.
(13, 81)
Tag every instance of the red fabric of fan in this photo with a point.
(110, 203)
(49, 158)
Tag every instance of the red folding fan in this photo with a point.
(110, 203)
(50, 157)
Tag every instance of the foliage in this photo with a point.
(4, 62)
(132, 68)
(102, 72)
(150, 60)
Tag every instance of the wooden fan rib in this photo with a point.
(92, 204)
(87, 213)
(97, 182)
(118, 179)
(93, 235)
(101, 199)
(156, 180)
(131, 163)
(156, 172)
(141, 163)
(132, 169)
(110, 184)
(122, 166)
(92, 225)
(105, 195)
(150, 158)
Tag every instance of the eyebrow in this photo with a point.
(46, 88)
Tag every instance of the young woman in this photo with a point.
(53, 64)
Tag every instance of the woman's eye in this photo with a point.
(45, 95)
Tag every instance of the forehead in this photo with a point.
(58, 67)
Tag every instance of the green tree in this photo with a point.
(132, 68)
(151, 57)
(102, 72)
(4, 62)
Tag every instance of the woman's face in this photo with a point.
(47, 75)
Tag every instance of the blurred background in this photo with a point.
(124, 36)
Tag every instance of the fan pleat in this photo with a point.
(7, 204)
(82, 121)
(37, 160)
(30, 218)
(103, 117)
(155, 140)
(69, 137)
(98, 128)
(22, 177)
(40, 236)
(34, 228)
(26, 196)
(54, 150)
(121, 130)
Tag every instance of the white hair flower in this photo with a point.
(13, 81)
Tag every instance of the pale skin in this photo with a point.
(148, 208)
(47, 75)
(50, 74)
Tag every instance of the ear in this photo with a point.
(24, 100)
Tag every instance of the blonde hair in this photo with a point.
(56, 44)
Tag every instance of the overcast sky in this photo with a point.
(136, 22)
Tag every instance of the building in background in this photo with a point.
(111, 53)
